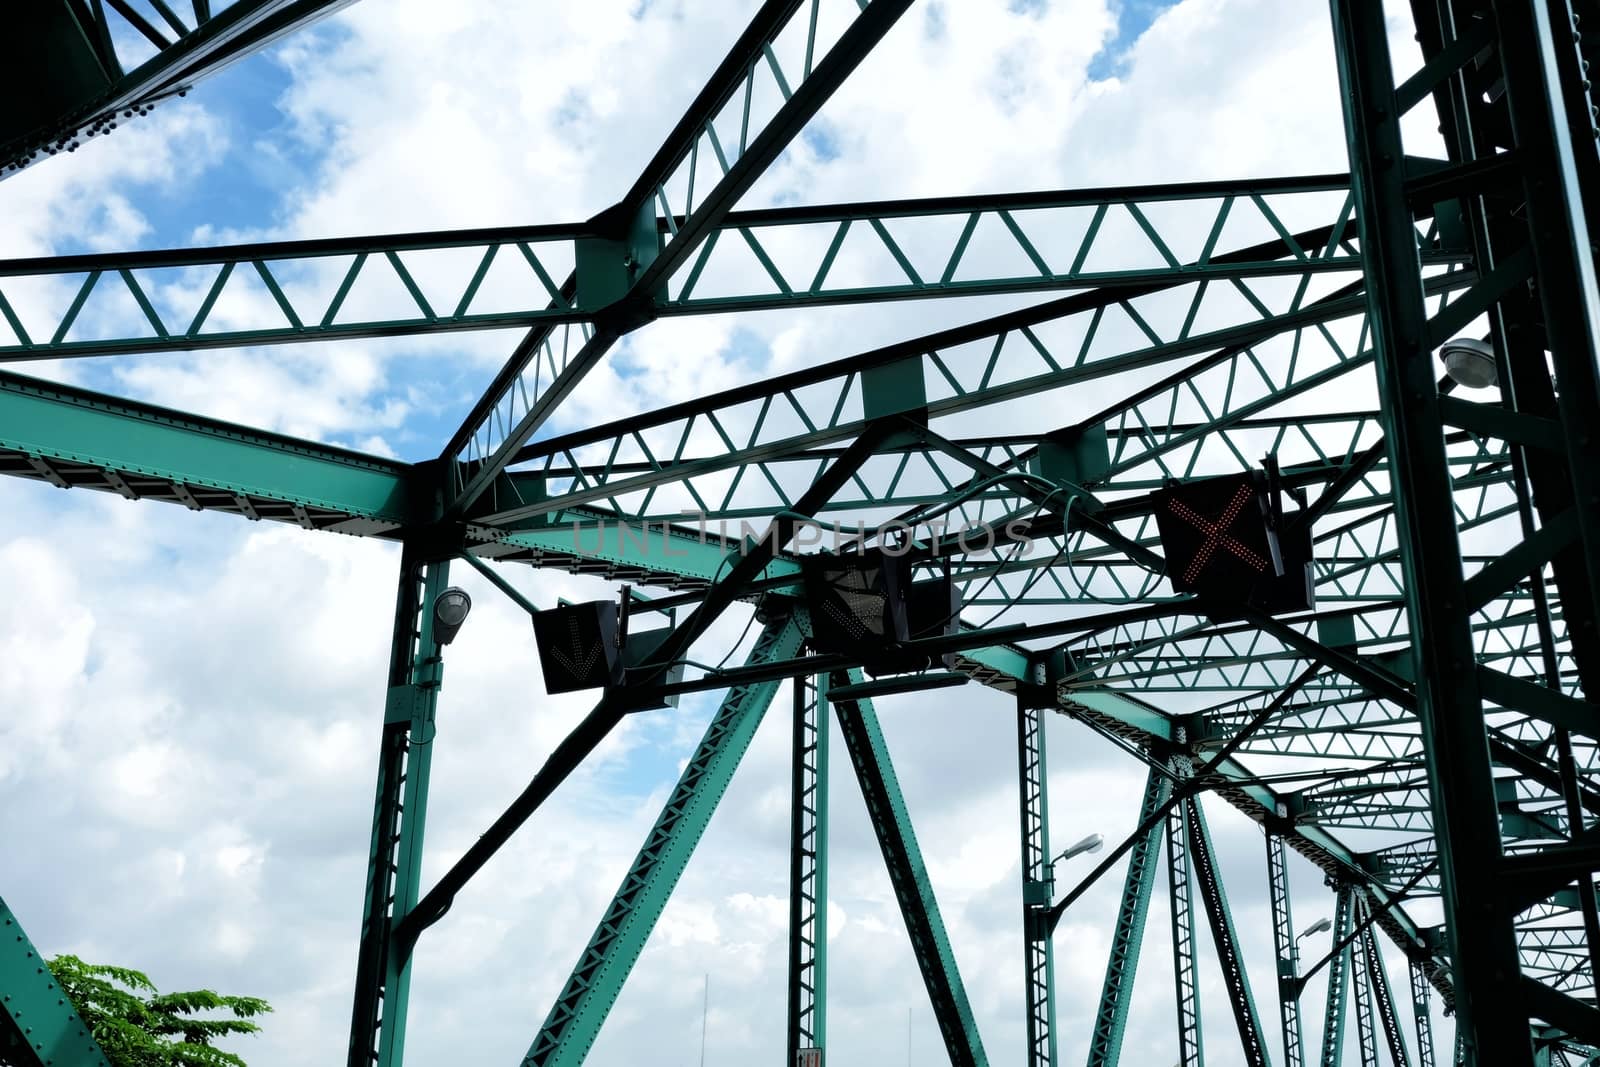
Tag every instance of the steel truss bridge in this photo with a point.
(1439, 699)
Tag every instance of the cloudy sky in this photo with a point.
(194, 702)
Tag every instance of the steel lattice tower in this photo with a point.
(1442, 695)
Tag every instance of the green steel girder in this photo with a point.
(1421, 1013)
(593, 500)
(793, 413)
(399, 817)
(580, 1009)
(1116, 993)
(1361, 986)
(1185, 948)
(39, 1027)
(918, 479)
(1339, 965)
(401, 284)
(1495, 1000)
(1038, 884)
(65, 80)
(808, 869)
(908, 874)
(74, 437)
(1214, 899)
(1383, 1000)
(522, 398)
(1286, 949)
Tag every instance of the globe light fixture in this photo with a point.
(450, 610)
(1470, 362)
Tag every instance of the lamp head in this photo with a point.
(1470, 362)
(1317, 927)
(1092, 843)
(450, 610)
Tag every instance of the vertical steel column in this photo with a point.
(908, 874)
(1037, 886)
(1288, 954)
(1421, 998)
(1449, 704)
(1531, 58)
(1116, 995)
(394, 863)
(1338, 968)
(1185, 960)
(1545, 77)
(808, 870)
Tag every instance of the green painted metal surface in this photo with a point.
(1449, 703)
(1286, 949)
(1122, 966)
(808, 869)
(290, 273)
(1185, 949)
(1204, 354)
(66, 76)
(67, 427)
(1214, 899)
(34, 1012)
(580, 1009)
(400, 811)
(908, 874)
(1339, 975)
(1038, 885)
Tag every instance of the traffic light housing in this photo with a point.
(578, 646)
(1228, 540)
(639, 646)
(857, 600)
(933, 609)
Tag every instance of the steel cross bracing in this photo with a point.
(1339, 973)
(1116, 996)
(575, 1018)
(1366, 1027)
(1435, 706)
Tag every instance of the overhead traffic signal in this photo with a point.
(578, 646)
(639, 646)
(1228, 540)
(857, 600)
(933, 609)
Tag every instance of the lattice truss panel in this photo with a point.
(1198, 327)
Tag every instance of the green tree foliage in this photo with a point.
(140, 1027)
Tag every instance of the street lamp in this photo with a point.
(1315, 928)
(1470, 362)
(1092, 843)
(450, 610)
(1293, 975)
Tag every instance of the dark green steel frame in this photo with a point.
(1501, 669)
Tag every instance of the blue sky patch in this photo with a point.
(1133, 18)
